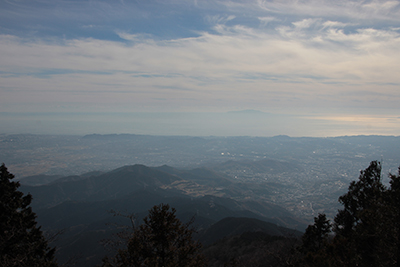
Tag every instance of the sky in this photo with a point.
(199, 67)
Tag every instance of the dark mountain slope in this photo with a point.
(120, 184)
(274, 213)
(248, 242)
(111, 185)
(80, 204)
(40, 179)
(231, 226)
(90, 222)
(74, 213)
(122, 181)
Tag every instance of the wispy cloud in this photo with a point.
(218, 19)
(355, 9)
(265, 20)
(254, 54)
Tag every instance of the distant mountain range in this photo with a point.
(81, 205)
(247, 111)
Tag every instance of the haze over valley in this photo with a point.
(304, 175)
(250, 117)
(76, 180)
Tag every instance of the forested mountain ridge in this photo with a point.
(127, 181)
(81, 205)
(110, 185)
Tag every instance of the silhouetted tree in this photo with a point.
(394, 215)
(21, 242)
(316, 234)
(162, 241)
(361, 220)
(366, 229)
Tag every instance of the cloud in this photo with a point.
(265, 20)
(219, 19)
(286, 54)
(355, 9)
(238, 61)
(381, 6)
(137, 38)
(335, 24)
(305, 23)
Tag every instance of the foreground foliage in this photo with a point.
(365, 232)
(162, 240)
(21, 242)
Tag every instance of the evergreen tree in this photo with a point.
(361, 219)
(162, 241)
(363, 195)
(316, 235)
(394, 215)
(366, 229)
(21, 242)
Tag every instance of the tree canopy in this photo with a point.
(366, 232)
(162, 240)
(21, 241)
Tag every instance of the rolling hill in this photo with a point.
(80, 206)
